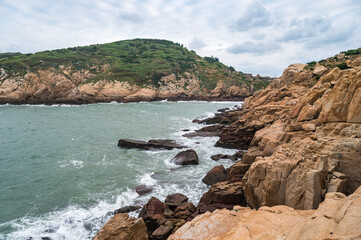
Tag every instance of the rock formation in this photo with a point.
(123, 227)
(338, 217)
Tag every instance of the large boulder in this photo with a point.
(215, 175)
(151, 144)
(153, 214)
(123, 227)
(188, 157)
(224, 193)
(174, 200)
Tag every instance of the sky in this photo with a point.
(259, 37)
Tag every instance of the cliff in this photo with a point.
(302, 136)
(131, 70)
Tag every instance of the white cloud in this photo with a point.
(253, 36)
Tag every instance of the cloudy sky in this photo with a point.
(263, 36)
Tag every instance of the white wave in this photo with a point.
(147, 179)
(73, 223)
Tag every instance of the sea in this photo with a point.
(62, 174)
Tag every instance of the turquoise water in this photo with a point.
(61, 172)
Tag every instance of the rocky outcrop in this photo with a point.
(188, 157)
(151, 144)
(338, 217)
(123, 227)
(69, 85)
(301, 133)
(164, 218)
(215, 175)
(224, 193)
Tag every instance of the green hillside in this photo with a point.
(138, 61)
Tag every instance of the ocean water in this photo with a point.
(62, 174)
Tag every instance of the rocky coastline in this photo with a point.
(299, 177)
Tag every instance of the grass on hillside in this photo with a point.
(138, 61)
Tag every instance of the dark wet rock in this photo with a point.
(209, 131)
(188, 157)
(174, 200)
(213, 207)
(224, 193)
(200, 134)
(222, 109)
(127, 209)
(161, 233)
(186, 206)
(237, 171)
(151, 144)
(224, 156)
(168, 213)
(216, 157)
(185, 130)
(45, 238)
(215, 175)
(143, 189)
(152, 214)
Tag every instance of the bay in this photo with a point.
(61, 172)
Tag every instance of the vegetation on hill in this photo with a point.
(138, 61)
(340, 60)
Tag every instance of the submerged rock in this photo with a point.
(151, 144)
(123, 227)
(143, 189)
(188, 157)
(127, 209)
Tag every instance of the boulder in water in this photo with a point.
(150, 145)
(188, 157)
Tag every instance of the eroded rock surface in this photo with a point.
(123, 227)
(338, 217)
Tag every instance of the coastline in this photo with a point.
(301, 135)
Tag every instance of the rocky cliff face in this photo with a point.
(52, 86)
(302, 136)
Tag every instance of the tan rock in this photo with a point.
(309, 127)
(308, 112)
(121, 226)
(338, 217)
(319, 70)
(144, 94)
(344, 95)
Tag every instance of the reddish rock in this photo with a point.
(143, 189)
(237, 172)
(152, 213)
(215, 175)
(186, 206)
(174, 200)
(161, 233)
(224, 193)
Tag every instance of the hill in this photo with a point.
(130, 70)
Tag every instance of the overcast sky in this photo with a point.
(262, 36)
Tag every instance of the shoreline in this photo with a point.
(75, 103)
